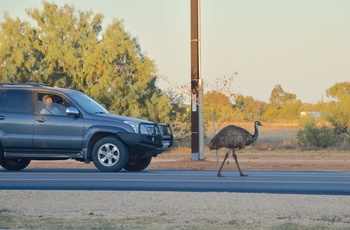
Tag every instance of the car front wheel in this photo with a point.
(109, 155)
(138, 165)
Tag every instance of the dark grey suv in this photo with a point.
(45, 123)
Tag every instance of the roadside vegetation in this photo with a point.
(65, 47)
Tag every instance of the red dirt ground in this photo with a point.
(250, 160)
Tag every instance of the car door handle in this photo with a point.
(2, 117)
(41, 119)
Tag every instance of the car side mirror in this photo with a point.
(72, 111)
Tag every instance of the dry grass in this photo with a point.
(277, 139)
(272, 136)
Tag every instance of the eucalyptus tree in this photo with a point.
(63, 41)
(283, 105)
(17, 59)
(338, 110)
(124, 79)
(70, 48)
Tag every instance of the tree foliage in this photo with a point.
(248, 109)
(16, 56)
(218, 101)
(279, 96)
(69, 48)
(179, 115)
(339, 90)
(283, 105)
(338, 111)
(217, 108)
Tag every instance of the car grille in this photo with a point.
(149, 129)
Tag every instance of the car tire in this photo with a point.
(138, 165)
(13, 164)
(109, 154)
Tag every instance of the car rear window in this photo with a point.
(16, 101)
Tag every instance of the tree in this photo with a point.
(247, 108)
(63, 41)
(283, 105)
(179, 115)
(338, 112)
(290, 110)
(338, 90)
(70, 49)
(279, 96)
(17, 61)
(218, 101)
(217, 108)
(128, 76)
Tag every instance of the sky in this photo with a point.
(303, 45)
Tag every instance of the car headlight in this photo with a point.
(134, 125)
(144, 128)
(150, 129)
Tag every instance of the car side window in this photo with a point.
(17, 101)
(52, 104)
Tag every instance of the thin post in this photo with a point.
(195, 77)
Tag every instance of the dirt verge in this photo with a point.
(249, 160)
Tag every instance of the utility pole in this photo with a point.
(197, 124)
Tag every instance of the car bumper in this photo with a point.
(142, 145)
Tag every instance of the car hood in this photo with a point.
(124, 118)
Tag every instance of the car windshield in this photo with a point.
(89, 104)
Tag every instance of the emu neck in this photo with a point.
(256, 133)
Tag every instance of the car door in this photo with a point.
(16, 119)
(57, 132)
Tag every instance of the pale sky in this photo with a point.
(304, 45)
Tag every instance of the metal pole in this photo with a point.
(197, 145)
(201, 119)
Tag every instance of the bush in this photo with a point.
(315, 136)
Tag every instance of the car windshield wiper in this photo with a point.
(100, 112)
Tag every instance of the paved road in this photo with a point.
(325, 183)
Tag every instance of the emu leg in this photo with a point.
(239, 169)
(222, 165)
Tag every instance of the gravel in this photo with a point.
(170, 210)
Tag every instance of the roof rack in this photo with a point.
(36, 84)
(27, 83)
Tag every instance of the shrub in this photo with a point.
(311, 135)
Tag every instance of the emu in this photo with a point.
(233, 137)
